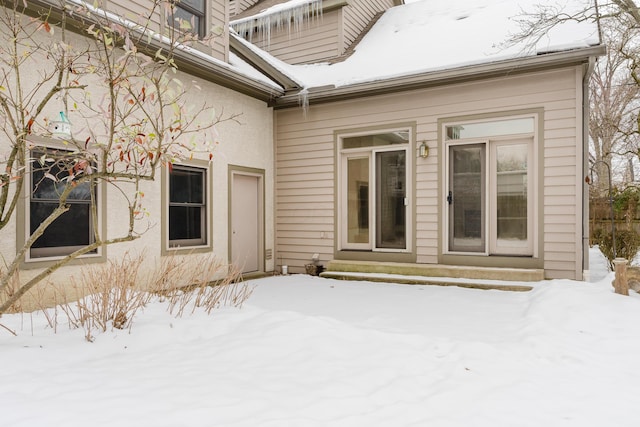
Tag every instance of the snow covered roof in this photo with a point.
(430, 36)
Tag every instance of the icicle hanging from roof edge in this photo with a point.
(303, 101)
(292, 18)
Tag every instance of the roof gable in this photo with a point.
(308, 31)
(436, 36)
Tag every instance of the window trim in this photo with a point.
(23, 209)
(184, 245)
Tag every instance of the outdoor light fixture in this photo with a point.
(424, 150)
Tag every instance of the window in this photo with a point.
(490, 187)
(374, 181)
(72, 230)
(187, 219)
(189, 16)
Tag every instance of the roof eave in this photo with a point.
(229, 78)
(443, 77)
(261, 64)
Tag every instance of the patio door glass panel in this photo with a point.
(390, 200)
(466, 197)
(511, 199)
(358, 214)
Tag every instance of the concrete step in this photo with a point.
(511, 279)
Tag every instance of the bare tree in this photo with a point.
(129, 109)
(615, 84)
(613, 105)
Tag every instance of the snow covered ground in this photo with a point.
(306, 351)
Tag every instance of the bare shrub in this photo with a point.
(118, 290)
(113, 298)
(186, 293)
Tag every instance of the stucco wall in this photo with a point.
(246, 141)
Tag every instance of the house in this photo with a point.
(365, 142)
(431, 148)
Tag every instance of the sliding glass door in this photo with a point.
(373, 200)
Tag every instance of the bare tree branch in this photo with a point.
(129, 111)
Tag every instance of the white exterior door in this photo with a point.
(489, 197)
(246, 220)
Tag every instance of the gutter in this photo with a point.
(188, 59)
(589, 68)
(427, 79)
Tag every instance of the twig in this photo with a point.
(10, 331)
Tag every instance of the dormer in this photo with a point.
(306, 31)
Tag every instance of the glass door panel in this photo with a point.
(390, 200)
(466, 198)
(358, 214)
(511, 199)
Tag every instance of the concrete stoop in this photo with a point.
(506, 279)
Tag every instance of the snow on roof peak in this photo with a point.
(434, 35)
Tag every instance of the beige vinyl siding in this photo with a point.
(219, 21)
(317, 40)
(238, 6)
(136, 11)
(357, 16)
(306, 170)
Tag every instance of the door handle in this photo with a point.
(450, 198)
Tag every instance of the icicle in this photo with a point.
(291, 18)
(303, 101)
